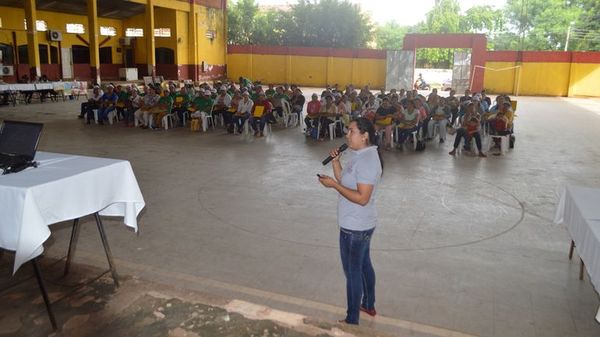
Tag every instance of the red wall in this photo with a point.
(110, 71)
(168, 71)
(543, 56)
(52, 71)
(82, 71)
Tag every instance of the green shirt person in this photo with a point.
(181, 99)
(166, 102)
(203, 102)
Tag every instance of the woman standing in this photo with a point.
(357, 217)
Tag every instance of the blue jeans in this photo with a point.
(403, 134)
(103, 112)
(360, 276)
(240, 121)
(262, 122)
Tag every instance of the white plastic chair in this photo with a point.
(206, 117)
(112, 115)
(290, 119)
(168, 118)
(332, 128)
(397, 134)
(246, 131)
(185, 115)
(79, 88)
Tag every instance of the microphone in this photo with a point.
(341, 149)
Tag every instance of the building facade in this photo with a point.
(92, 40)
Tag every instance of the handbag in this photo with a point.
(195, 124)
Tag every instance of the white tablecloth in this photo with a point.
(579, 210)
(44, 86)
(63, 187)
(17, 87)
(32, 86)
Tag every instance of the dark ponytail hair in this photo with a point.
(363, 125)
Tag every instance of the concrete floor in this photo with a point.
(466, 246)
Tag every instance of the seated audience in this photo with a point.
(408, 122)
(262, 112)
(470, 129)
(108, 103)
(92, 103)
(229, 113)
(243, 111)
(297, 102)
(439, 119)
(384, 121)
(328, 114)
(143, 114)
(134, 102)
(312, 113)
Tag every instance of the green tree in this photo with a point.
(585, 32)
(330, 23)
(326, 23)
(482, 19)
(540, 24)
(271, 27)
(240, 21)
(391, 35)
(444, 17)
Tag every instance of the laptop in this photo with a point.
(18, 145)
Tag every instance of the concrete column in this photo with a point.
(93, 31)
(150, 44)
(193, 40)
(32, 39)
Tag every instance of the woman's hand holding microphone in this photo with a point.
(326, 180)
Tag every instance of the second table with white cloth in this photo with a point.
(63, 187)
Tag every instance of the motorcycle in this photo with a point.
(421, 85)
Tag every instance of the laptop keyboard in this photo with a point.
(7, 160)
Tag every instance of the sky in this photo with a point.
(406, 13)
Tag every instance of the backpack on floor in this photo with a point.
(420, 145)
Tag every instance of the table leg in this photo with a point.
(571, 250)
(111, 264)
(72, 245)
(581, 269)
(38, 275)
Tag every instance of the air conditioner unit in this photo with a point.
(125, 41)
(54, 35)
(7, 70)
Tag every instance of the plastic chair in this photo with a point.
(112, 115)
(206, 117)
(396, 135)
(290, 119)
(79, 88)
(332, 128)
(168, 118)
(185, 116)
(246, 131)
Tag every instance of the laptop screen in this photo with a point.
(20, 138)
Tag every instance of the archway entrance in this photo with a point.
(401, 64)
